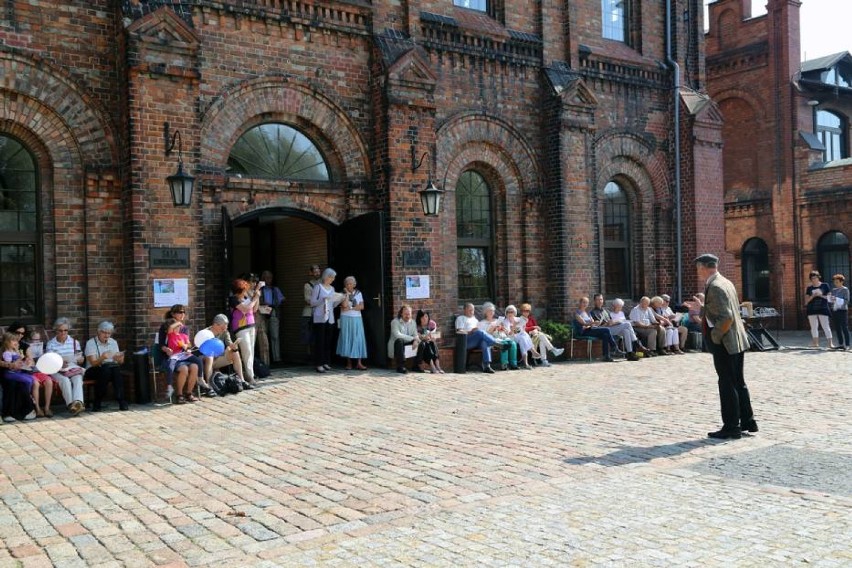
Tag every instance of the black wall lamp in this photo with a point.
(430, 198)
(181, 184)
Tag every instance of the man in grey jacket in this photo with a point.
(726, 337)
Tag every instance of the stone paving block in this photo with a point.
(551, 468)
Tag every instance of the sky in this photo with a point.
(825, 27)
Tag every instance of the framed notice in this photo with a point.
(171, 291)
(416, 287)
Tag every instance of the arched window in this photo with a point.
(475, 240)
(756, 270)
(20, 280)
(831, 129)
(277, 151)
(616, 240)
(833, 255)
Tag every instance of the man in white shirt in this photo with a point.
(645, 325)
(467, 324)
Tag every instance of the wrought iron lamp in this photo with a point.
(181, 184)
(430, 198)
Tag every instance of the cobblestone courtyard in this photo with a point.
(577, 465)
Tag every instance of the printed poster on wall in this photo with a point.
(171, 291)
(416, 287)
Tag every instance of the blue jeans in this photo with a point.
(477, 339)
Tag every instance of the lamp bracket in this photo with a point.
(415, 164)
(170, 141)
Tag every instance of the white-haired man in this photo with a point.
(231, 356)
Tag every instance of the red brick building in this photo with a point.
(787, 167)
(549, 127)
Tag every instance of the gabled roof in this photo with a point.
(825, 62)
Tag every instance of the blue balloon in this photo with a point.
(212, 348)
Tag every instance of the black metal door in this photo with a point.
(358, 250)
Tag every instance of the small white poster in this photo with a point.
(416, 287)
(171, 291)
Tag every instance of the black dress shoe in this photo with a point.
(123, 406)
(488, 370)
(749, 426)
(725, 434)
(401, 370)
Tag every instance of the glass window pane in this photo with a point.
(277, 151)
(480, 5)
(473, 274)
(826, 118)
(8, 221)
(473, 207)
(613, 19)
(833, 255)
(616, 237)
(18, 293)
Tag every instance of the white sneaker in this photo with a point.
(558, 351)
(31, 415)
(545, 363)
(9, 419)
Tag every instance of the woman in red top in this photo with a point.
(541, 341)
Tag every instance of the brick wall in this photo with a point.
(365, 83)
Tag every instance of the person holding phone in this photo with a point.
(103, 362)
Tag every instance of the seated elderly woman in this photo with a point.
(620, 327)
(104, 359)
(516, 329)
(541, 341)
(678, 320)
(183, 365)
(231, 356)
(584, 325)
(493, 326)
(666, 326)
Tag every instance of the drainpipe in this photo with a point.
(674, 65)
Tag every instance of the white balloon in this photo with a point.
(202, 336)
(49, 363)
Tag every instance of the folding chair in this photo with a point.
(578, 336)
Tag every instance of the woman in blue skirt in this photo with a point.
(351, 343)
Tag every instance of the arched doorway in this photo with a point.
(287, 242)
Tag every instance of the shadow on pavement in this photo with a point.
(638, 454)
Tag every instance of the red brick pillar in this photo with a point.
(163, 85)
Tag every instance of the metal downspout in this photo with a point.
(674, 65)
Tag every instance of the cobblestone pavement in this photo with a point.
(581, 464)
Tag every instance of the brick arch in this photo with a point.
(757, 107)
(80, 115)
(499, 142)
(265, 99)
(60, 170)
(630, 151)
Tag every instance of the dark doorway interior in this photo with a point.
(287, 243)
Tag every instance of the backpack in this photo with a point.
(261, 371)
(225, 384)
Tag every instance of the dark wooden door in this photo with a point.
(357, 249)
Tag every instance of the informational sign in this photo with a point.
(171, 291)
(162, 257)
(416, 287)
